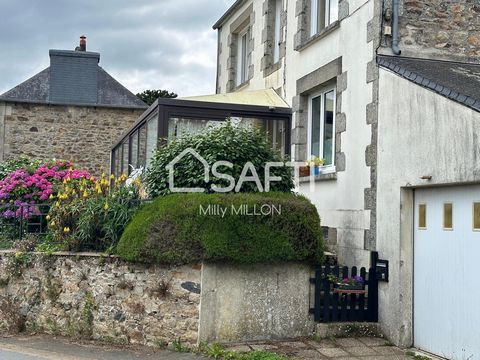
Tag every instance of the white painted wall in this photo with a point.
(419, 133)
(340, 202)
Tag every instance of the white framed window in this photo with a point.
(321, 126)
(242, 56)
(323, 13)
(278, 28)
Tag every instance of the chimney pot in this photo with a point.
(83, 43)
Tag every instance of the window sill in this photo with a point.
(323, 33)
(269, 70)
(320, 177)
(242, 85)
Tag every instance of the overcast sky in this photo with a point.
(144, 44)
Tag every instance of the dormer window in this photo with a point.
(323, 13)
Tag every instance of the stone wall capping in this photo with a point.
(67, 254)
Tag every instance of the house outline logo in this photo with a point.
(171, 167)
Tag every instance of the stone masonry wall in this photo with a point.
(84, 135)
(446, 29)
(100, 298)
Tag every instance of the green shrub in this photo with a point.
(226, 142)
(172, 230)
(22, 162)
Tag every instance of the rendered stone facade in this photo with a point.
(83, 135)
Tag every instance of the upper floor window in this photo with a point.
(321, 129)
(278, 28)
(242, 56)
(323, 13)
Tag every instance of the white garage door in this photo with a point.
(446, 271)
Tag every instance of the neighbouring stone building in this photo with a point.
(73, 110)
(388, 93)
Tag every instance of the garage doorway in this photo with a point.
(446, 279)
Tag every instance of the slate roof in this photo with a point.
(107, 92)
(228, 13)
(457, 81)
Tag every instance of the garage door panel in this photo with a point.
(446, 279)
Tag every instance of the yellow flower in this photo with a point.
(112, 176)
(64, 181)
(18, 254)
(47, 217)
(66, 229)
(85, 194)
(106, 206)
(57, 203)
(51, 197)
(52, 224)
(92, 178)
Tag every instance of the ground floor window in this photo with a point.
(321, 130)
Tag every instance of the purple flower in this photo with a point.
(8, 214)
(358, 279)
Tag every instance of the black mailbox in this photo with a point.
(380, 266)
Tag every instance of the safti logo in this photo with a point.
(171, 167)
(249, 174)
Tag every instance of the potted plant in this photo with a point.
(354, 283)
(305, 170)
(316, 163)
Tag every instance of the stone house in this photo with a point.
(388, 93)
(72, 110)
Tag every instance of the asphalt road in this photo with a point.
(45, 348)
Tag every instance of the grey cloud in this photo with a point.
(145, 44)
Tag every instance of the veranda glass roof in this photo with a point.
(260, 98)
(167, 119)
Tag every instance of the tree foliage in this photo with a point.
(149, 96)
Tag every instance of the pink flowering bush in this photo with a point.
(24, 189)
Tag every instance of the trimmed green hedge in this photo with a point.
(173, 230)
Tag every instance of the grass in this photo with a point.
(217, 351)
(5, 244)
(416, 356)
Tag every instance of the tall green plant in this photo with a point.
(227, 142)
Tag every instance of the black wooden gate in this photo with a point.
(332, 305)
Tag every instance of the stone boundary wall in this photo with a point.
(98, 297)
(104, 298)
